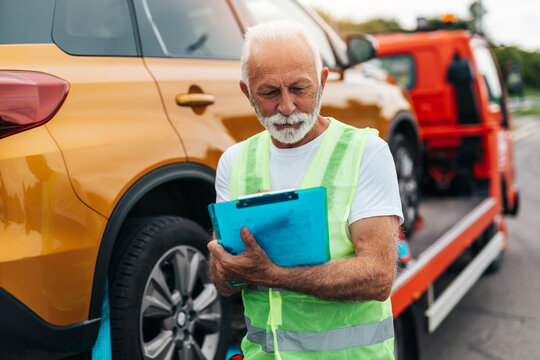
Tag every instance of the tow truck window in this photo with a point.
(487, 68)
(268, 10)
(401, 67)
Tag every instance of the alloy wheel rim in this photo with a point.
(180, 313)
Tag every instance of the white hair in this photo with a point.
(277, 31)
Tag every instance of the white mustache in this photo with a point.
(280, 119)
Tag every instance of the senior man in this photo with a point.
(340, 309)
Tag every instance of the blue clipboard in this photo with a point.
(290, 226)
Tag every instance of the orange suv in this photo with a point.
(113, 115)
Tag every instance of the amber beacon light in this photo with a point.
(449, 19)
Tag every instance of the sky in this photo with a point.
(507, 22)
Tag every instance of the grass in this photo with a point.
(528, 91)
(531, 111)
(532, 92)
(527, 112)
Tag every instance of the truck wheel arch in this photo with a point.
(190, 172)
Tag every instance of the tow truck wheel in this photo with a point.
(405, 343)
(406, 162)
(163, 304)
(496, 265)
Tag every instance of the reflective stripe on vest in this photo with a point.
(328, 340)
(287, 321)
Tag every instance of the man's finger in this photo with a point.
(217, 250)
(212, 244)
(248, 239)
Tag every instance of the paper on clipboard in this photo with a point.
(291, 226)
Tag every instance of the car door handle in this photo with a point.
(195, 100)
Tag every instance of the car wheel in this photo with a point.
(163, 304)
(405, 158)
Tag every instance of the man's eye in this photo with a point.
(270, 93)
(297, 89)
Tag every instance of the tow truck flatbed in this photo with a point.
(455, 223)
(438, 216)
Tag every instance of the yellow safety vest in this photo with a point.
(287, 325)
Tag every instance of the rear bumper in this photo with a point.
(19, 322)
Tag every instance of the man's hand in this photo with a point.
(367, 276)
(251, 266)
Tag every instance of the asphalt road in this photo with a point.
(499, 318)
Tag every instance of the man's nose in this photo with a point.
(286, 104)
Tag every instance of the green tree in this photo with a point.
(477, 12)
(530, 63)
(437, 23)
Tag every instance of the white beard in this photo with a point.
(290, 135)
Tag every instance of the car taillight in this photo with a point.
(28, 99)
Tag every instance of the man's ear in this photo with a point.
(324, 76)
(245, 89)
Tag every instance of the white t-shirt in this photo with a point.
(377, 193)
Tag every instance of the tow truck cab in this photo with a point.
(459, 97)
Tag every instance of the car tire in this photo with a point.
(163, 304)
(406, 161)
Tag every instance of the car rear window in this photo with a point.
(26, 21)
(202, 29)
(97, 27)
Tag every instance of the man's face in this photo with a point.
(285, 90)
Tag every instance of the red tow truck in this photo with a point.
(467, 176)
